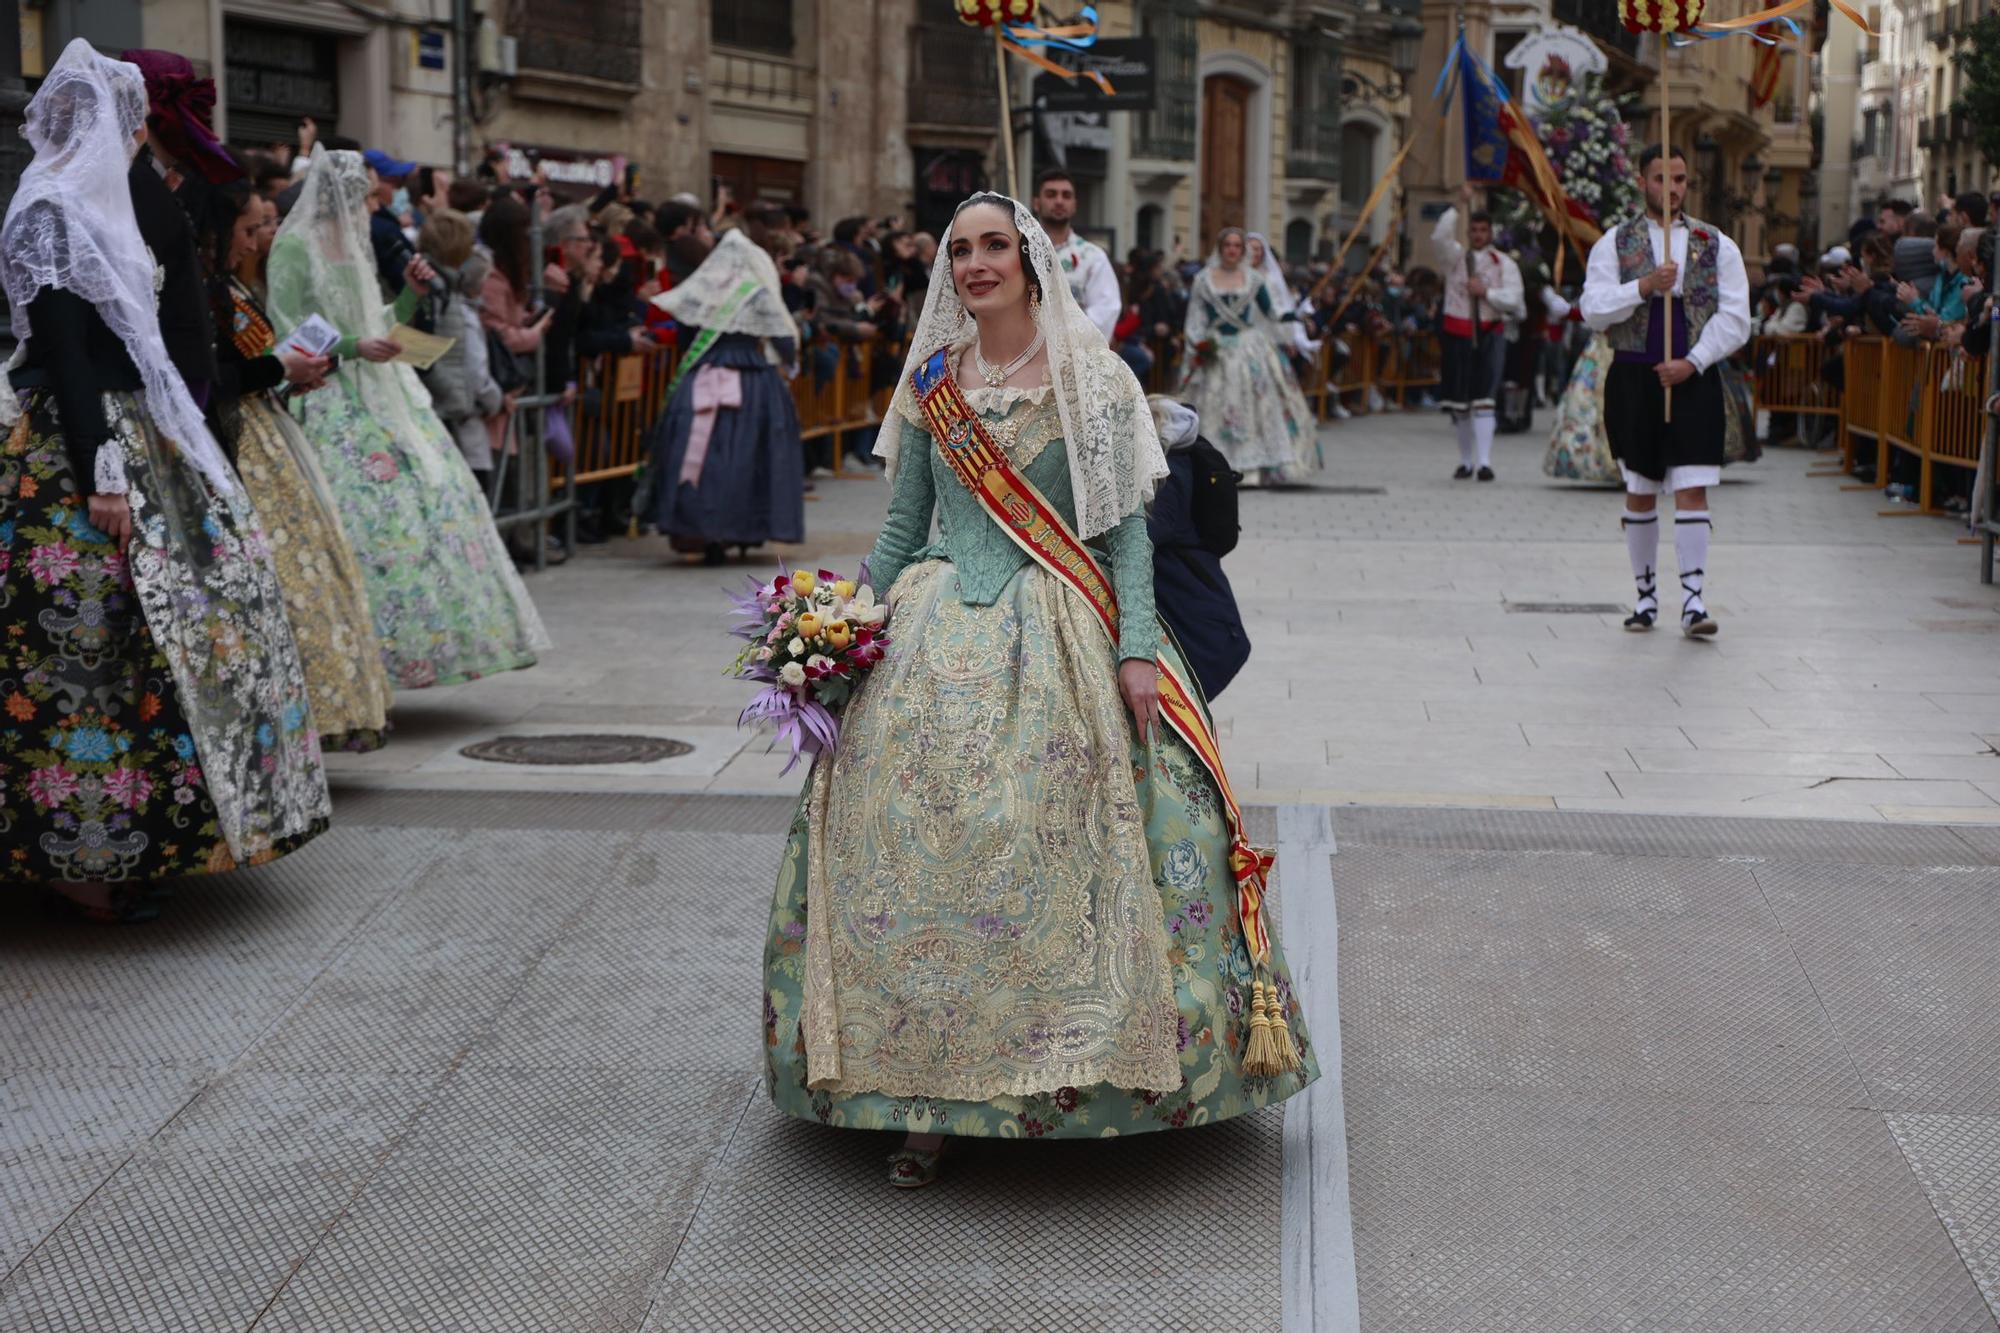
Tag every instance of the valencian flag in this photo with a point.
(1764, 76)
(1502, 148)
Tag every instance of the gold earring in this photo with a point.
(1035, 301)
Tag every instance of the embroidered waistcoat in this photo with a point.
(1700, 293)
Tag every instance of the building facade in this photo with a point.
(1750, 163)
(1907, 142)
(1277, 115)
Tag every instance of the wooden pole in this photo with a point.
(1012, 184)
(1667, 211)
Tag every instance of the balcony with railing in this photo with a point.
(761, 82)
(1600, 20)
(943, 95)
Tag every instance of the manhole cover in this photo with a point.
(576, 749)
(1565, 608)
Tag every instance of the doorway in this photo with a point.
(1225, 154)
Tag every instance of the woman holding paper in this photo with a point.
(153, 717)
(325, 597)
(448, 604)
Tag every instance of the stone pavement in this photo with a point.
(481, 1058)
(1405, 653)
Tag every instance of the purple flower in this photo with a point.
(1199, 913)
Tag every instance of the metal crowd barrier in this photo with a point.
(620, 397)
(1399, 366)
(1925, 400)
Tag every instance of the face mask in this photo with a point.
(401, 203)
(1947, 264)
(847, 289)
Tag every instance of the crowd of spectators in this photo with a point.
(1914, 275)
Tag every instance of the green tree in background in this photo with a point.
(1978, 64)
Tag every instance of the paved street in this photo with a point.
(1661, 977)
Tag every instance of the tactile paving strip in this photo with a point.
(1617, 976)
(1505, 1211)
(1957, 1160)
(1806, 840)
(524, 1203)
(611, 812)
(1905, 963)
(800, 1230)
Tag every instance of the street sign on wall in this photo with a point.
(1130, 63)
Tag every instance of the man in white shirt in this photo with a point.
(1630, 273)
(1482, 292)
(1088, 268)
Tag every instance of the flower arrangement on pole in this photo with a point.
(811, 637)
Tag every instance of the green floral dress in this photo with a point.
(448, 604)
(999, 913)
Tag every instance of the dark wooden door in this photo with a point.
(1225, 155)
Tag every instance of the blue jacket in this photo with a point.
(1189, 588)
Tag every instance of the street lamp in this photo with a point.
(1406, 36)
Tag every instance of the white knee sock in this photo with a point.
(1464, 424)
(1642, 543)
(1482, 434)
(1691, 531)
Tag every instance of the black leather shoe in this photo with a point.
(1463, 474)
(1486, 474)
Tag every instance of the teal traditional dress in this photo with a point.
(1250, 403)
(999, 913)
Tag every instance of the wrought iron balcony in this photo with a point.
(942, 91)
(1600, 20)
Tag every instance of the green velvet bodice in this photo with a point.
(986, 558)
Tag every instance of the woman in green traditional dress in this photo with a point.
(1007, 908)
(325, 598)
(448, 603)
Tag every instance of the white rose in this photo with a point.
(796, 647)
(792, 674)
(763, 654)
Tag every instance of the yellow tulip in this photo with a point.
(844, 589)
(809, 625)
(837, 633)
(803, 583)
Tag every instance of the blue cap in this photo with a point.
(387, 167)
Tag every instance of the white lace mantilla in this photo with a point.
(1115, 458)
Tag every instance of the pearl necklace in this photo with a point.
(995, 376)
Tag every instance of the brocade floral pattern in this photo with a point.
(153, 717)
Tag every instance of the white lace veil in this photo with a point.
(699, 299)
(322, 262)
(71, 227)
(1114, 452)
(1274, 272)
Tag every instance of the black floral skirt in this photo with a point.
(100, 773)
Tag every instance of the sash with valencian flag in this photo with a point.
(1023, 513)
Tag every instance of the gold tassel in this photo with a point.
(1270, 1050)
(1260, 1059)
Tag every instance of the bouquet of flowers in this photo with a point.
(811, 637)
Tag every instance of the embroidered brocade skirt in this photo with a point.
(1251, 406)
(1579, 450)
(148, 700)
(325, 598)
(447, 602)
(998, 913)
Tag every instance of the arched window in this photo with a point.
(1150, 218)
(1298, 242)
(1357, 162)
